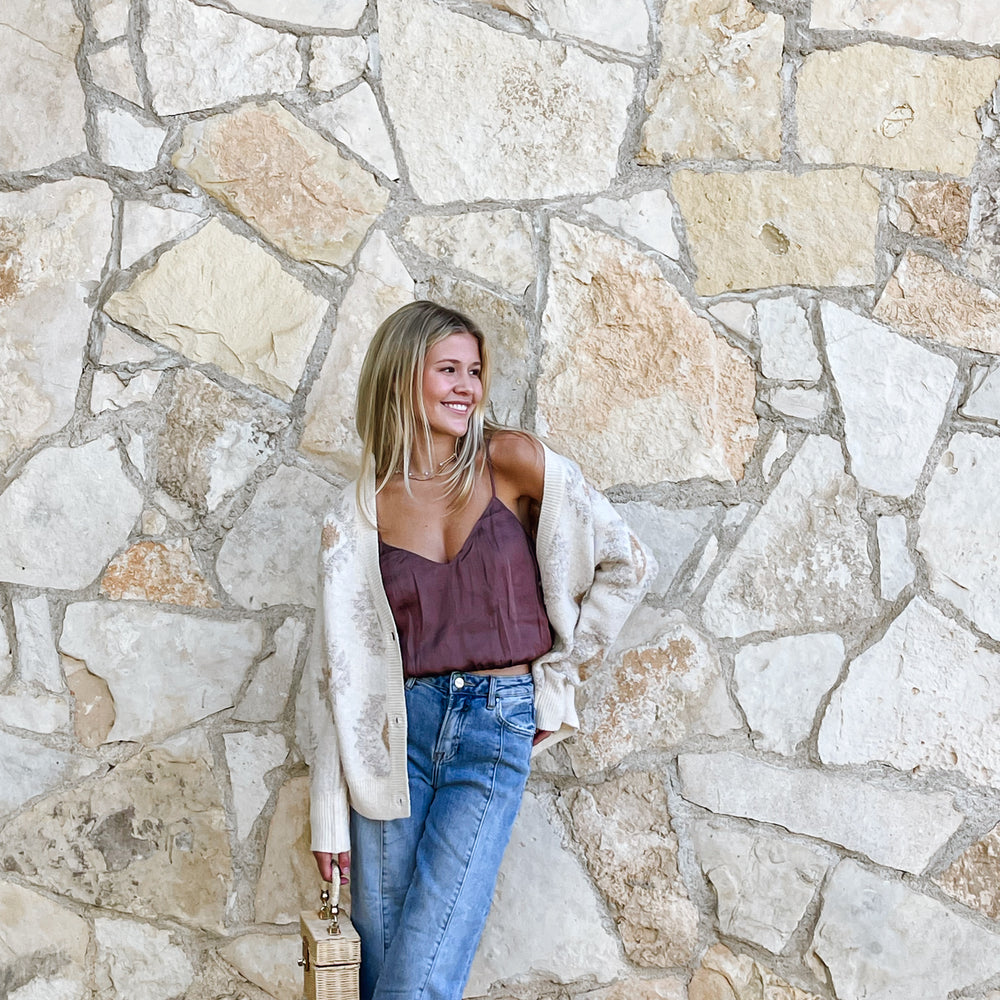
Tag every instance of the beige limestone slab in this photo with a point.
(342, 14)
(908, 110)
(269, 961)
(33, 712)
(33, 769)
(970, 20)
(973, 878)
(724, 975)
(937, 208)
(626, 29)
(250, 757)
(336, 60)
(923, 298)
(119, 347)
(109, 18)
(646, 215)
(633, 383)
(355, 119)
(37, 658)
(141, 960)
(265, 698)
(114, 391)
(219, 299)
(761, 228)
(481, 113)
(145, 226)
(148, 838)
(127, 141)
(112, 69)
(288, 182)
(54, 240)
(717, 88)
(38, 934)
(199, 57)
(166, 572)
(39, 81)
(641, 988)
(640, 879)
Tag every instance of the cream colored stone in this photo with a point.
(251, 756)
(54, 240)
(269, 961)
(661, 685)
(896, 569)
(6, 661)
(119, 347)
(481, 113)
(633, 383)
(336, 60)
(220, 299)
(33, 712)
(158, 571)
(109, 18)
(265, 697)
(57, 988)
(37, 658)
(493, 245)
(983, 402)
(148, 838)
(93, 705)
(648, 216)
(32, 769)
(342, 14)
(198, 57)
(939, 209)
(124, 140)
(973, 878)
(925, 299)
(111, 391)
(141, 961)
(381, 286)
(736, 315)
(631, 850)
(787, 350)
(908, 110)
(288, 182)
(725, 976)
(112, 69)
(287, 882)
(761, 228)
(355, 119)
(627, 29)
(512, 357)
(971, 20)
(43, 114)
(717, 88)
(145, 227)
(641, 989)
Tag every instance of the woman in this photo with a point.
(448, 644)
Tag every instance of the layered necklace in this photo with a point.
(431, 473)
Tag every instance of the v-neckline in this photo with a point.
(464, 546)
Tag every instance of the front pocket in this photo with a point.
(517, 714)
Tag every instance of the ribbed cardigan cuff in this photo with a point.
(555, 702)
(330, 818)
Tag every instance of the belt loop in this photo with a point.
(410, 681)
(491, 696)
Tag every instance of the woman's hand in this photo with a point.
(540, 735)
(324, 862)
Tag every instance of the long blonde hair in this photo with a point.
(389, 411)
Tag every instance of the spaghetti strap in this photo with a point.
(489, 465)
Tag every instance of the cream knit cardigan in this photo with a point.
(352, 714)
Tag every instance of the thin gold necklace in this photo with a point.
(427, 476)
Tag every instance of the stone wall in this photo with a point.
(739, 259)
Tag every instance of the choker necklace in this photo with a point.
(427, 476)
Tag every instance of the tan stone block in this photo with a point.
(149, 838)
(288, 182)
(725, 976)
(717, 89)
(762, 228)
(925, 299)
(907, 110)
(158, 571)
(641, 989)
(939, 209)
(38, 936)
(638, 875)
(94, 706)
(219, 299)
(633, 383)
(974, 877)
(269, 961)
(971, 21)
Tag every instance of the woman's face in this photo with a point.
(451, 383)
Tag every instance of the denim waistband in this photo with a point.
(474, 684)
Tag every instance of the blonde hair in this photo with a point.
(389, 410)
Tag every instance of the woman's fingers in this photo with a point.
(540, 735)
(344, 862)
(324, 862)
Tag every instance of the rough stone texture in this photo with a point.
(119, 347)
(109, 18)
(926, 695)
(924, 299)
(530, 931)
(199, 663)
(381, 285)
(910, 110)
(149, 838)
(355, 119)
(958, 526)
(763, 883)
(288, 182)
(974, 877)
(219, 299)
(37, 657)
(938, 209)
(146, 226)
(627, 31)
(6, 661)
(336, 60)
(794, 401)
(268, 961)
(760, 228)
(626, 359)
(725, 976)
(212, 441)
(884, 941)
(511, 353)
(973, 22)
(514, 118)
(265, 697)
(787, 350)
(717, 89)
(647, 216)
(158, 571)
(898, 829)
(896, 569)
(287, 882)
(251, 757)
(198, 57)
(641, 989)
(269, 557)
(123, 140)
(889, 422)
(65, 515)
(803, 562)
(492, 245)
(112, 69)
(779, 685)
(112, 391)
(93, 705)
(631, 850)
(53, 241)
(141, 961)
(39, 42)
(343, 14)
(984, 395)
(662, 684)
(32, 769)
(33, 712)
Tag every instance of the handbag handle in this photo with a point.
(330, 910)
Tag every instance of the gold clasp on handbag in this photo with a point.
(330, 911)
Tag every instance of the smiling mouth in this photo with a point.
(457, 407)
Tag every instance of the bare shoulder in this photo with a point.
(519, 463)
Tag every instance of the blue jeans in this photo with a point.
(422, 886)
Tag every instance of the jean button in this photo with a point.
(460, 682)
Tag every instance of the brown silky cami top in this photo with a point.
(481, 609)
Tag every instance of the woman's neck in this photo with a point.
(426, 465)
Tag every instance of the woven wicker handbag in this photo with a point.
(331, 950)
